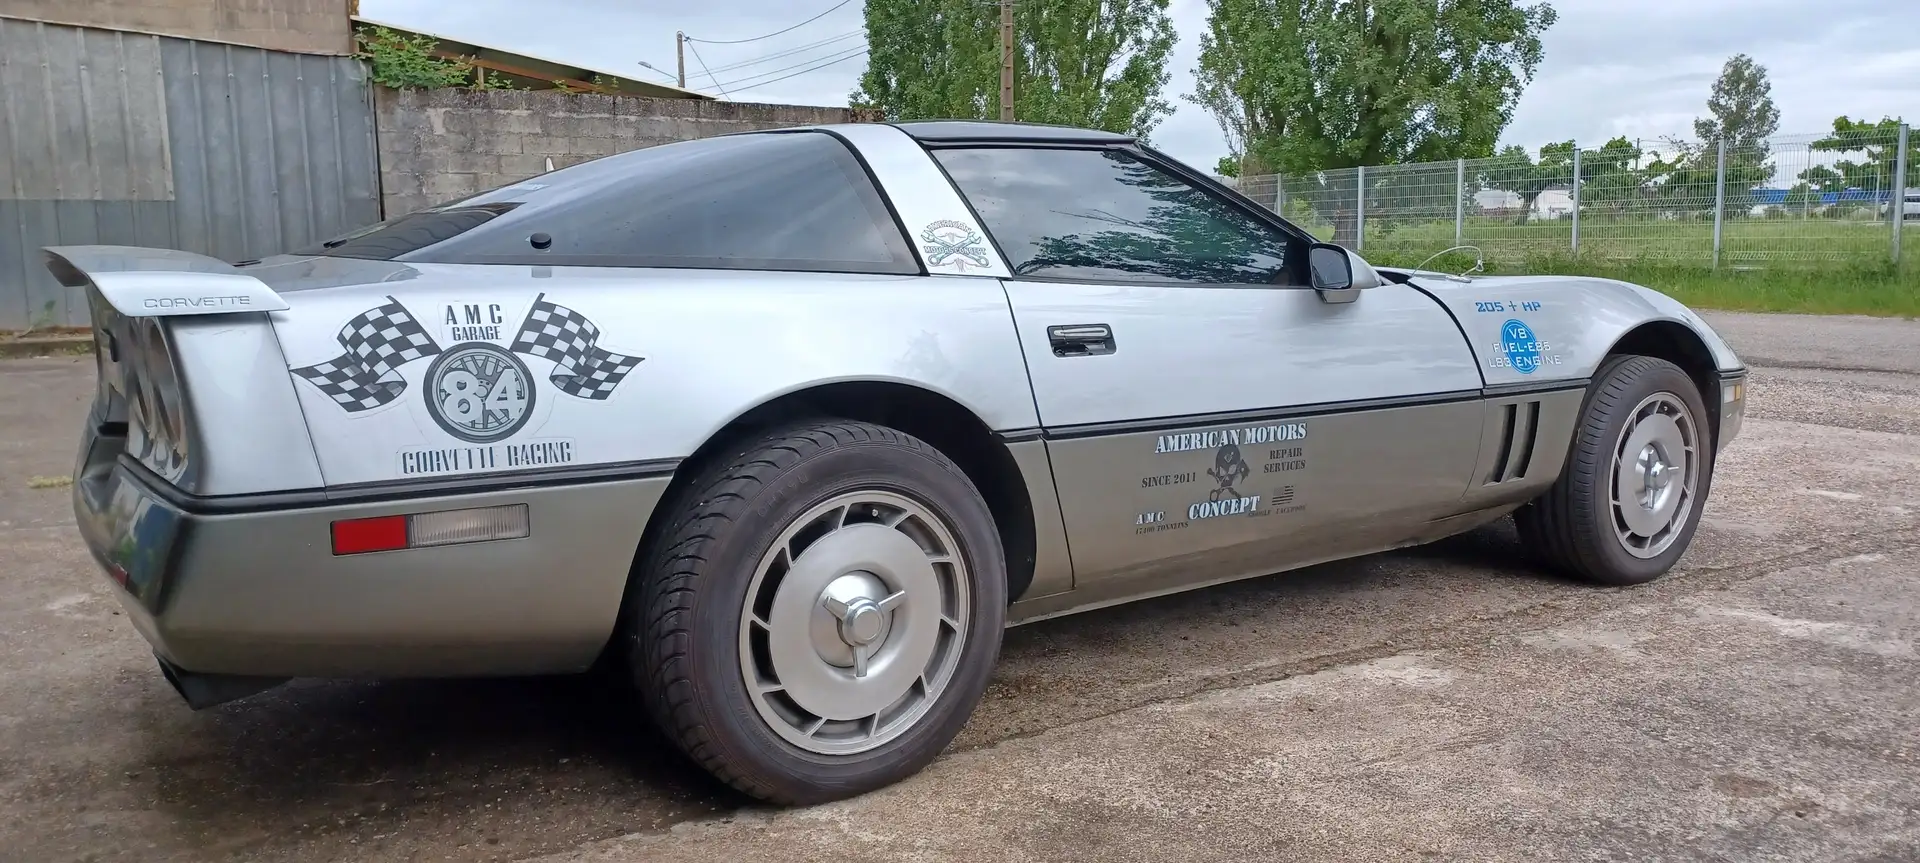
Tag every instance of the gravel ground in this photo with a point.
(1438, 703)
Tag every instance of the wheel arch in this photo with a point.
(1677, 343)
(938, 419)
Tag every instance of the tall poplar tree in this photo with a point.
(1091, 63)
(1306, 85)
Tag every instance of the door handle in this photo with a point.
(1081, 340)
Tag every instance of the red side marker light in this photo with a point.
(430, 529)
(386, 533)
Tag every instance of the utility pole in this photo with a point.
(1006, 60)
(680, 54)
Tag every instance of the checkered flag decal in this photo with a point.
(378, 341)
(566, 337)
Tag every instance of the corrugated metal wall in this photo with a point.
(127, 139)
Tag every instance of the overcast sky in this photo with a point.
(1640, 68)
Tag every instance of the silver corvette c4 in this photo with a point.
(791, 425)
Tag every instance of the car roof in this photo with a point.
(959, 131)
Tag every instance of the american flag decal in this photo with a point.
(377, 342)
(581, 368)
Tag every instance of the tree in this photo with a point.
(1307, 85)
(1742, 106)
(1515, 171)
(1876, 141)
(1608, 176)
(1092, 63)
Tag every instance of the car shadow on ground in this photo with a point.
(503, 757)
(495, 756)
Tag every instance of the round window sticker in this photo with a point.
(1521, 347)
(479, 393)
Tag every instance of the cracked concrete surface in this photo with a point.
(1441, 703)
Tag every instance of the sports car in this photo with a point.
(788, 426)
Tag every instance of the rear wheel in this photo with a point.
(823, 614)
(1627, 504)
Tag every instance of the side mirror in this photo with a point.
(1332, 273)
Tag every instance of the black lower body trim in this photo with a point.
(1529, 387)
(376, 492)
(1160, 424)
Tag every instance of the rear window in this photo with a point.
(785, 201)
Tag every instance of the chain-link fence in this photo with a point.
(1802, 199)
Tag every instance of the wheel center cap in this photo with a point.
(862, 624)
(1654, 470)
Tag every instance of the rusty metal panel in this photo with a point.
(124, 138)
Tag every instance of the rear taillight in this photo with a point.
(430, 529)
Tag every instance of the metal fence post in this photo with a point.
(1898, 202)
(1719, 202)
(1576, 200)
(1360, 208)
(1459, 201)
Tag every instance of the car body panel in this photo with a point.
(261, 593)
(1155, 504)
(1052, 557)
(699, 348)
(1566, 325)
(1187, 351)
(237, 373)
(946, 235)
(143, 282)
(1254, 376)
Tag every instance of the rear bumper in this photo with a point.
(255, 589)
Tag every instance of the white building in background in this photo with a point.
(1553, 203)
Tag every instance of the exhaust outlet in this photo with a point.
(202, 691)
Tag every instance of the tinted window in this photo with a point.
(791, 201)
(1102, 215)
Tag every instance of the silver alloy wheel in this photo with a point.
(854, 622)
(1656, 468)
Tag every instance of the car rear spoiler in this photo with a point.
(144, 283)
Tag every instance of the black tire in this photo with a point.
(1572, 526)
(692, 585)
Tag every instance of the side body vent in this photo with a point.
(1520, 430)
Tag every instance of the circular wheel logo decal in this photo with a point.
(479, 393)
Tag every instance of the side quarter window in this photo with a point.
(1102, 215)
(786, 201)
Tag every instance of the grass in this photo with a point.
(49, 482)
(1838, 291)
(1807, 266)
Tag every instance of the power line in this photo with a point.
(862, 52)
(836, 6)
(843, 54)
(703, 68)
(789, 52)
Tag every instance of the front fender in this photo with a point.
(1537, 329)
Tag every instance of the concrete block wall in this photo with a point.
(301, 26)
(437, 146)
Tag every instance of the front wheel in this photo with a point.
(1627, 504)
(822, 616)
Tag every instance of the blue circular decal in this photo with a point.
(1522, 349)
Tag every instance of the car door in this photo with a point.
(1207, 415)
